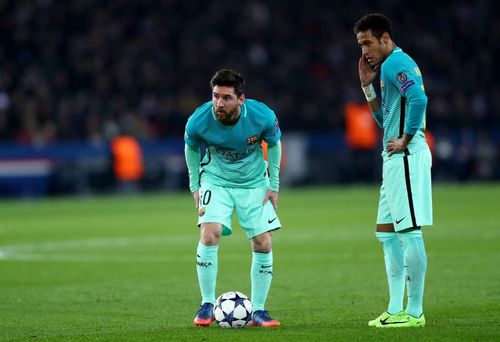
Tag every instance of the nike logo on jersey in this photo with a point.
(266, 266)
(271, 221)
(399, 221)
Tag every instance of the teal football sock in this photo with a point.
(416, 266)
(206, 267)
(261, 277)
(394, 266)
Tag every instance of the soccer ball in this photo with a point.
(232, 310)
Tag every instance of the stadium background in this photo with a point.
(75, 74)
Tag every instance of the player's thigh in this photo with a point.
(383, 212)
(407, 186)
(395, 182)
(254, 217)
(420, 165)
(215, 205)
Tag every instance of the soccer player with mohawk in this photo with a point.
(405, 203)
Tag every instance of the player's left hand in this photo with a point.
(273, 196)
(395, 146)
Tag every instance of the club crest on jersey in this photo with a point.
(201, 212)
(401, 77)
(252, 140)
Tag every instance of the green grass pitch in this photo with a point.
(123, 268)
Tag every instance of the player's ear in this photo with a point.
(386, 37)
(241, 99)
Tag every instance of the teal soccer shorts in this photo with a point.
(218, 203)
(406, 192)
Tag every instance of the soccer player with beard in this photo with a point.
(233, 175)
(405, 203)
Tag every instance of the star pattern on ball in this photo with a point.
(239, 300)
(232, 310)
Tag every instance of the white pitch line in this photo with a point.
(57, 251)
(54, 250)
(97, 243)
(39, 257)
(166, 258)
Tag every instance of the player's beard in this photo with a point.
(228, 118)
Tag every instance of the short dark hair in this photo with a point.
(376, 22)
(229, 78)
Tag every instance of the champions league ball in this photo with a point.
(232, 310)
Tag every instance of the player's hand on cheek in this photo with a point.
(366, 72)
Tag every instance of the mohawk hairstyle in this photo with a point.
(376, 22)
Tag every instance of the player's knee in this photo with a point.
(210, 234)
(210, 239)
(262, 243)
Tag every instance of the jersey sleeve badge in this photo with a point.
(403, 79)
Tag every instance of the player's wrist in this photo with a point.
(369, 92)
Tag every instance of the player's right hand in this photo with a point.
(366, 72)
(196, 197)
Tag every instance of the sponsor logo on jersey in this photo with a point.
(252, 140)
(234, 156)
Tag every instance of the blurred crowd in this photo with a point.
(90, 69)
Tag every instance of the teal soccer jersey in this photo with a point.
(233, 156)
(404, 100)
(406, 193)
